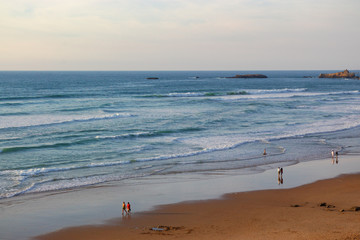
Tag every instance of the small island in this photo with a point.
(344, 74)
(249, 76)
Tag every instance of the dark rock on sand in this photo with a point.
(324, 204)
(344, 74)
(249, 76)
(355, 209)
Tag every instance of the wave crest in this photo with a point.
(47, 120)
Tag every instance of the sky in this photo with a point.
(179, 34)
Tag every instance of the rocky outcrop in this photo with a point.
(249, 76)
(344, 74)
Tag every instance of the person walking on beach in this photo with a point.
(337, 155)
(124, 208)
(128, 207)
(280, 177)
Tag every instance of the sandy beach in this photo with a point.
(215, 205)
(326, 209)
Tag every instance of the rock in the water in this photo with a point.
(249, 76)
(344, 74)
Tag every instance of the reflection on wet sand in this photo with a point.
(280, 175)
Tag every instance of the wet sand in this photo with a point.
(320, 210)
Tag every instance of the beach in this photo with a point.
(208, 205)
(326, 209)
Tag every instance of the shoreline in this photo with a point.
(95, 205)
(326, 209)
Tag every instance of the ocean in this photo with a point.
(62, 130)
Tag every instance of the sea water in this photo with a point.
(61, 130)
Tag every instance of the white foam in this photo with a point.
(274, 95)
(248, 91)
(46, 119)
(281, 90)
(136, 134)
(218, 143)
(16, 191)
(349, 107)
(37, 171)
(107, 164)
(187, 94)
(34, 171)
(78, 182)
(207, 144)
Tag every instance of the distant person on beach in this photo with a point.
(280, 171)
(264, 152)
(332, 153)
(337, 155)
(124, 208)
(128, 207)
(280, 177)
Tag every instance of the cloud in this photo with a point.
(143, 34)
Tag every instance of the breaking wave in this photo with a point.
(46, 120)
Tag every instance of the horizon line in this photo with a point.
(176, 70)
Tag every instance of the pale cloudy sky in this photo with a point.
(179, 34)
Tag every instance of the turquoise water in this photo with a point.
(61, 130)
